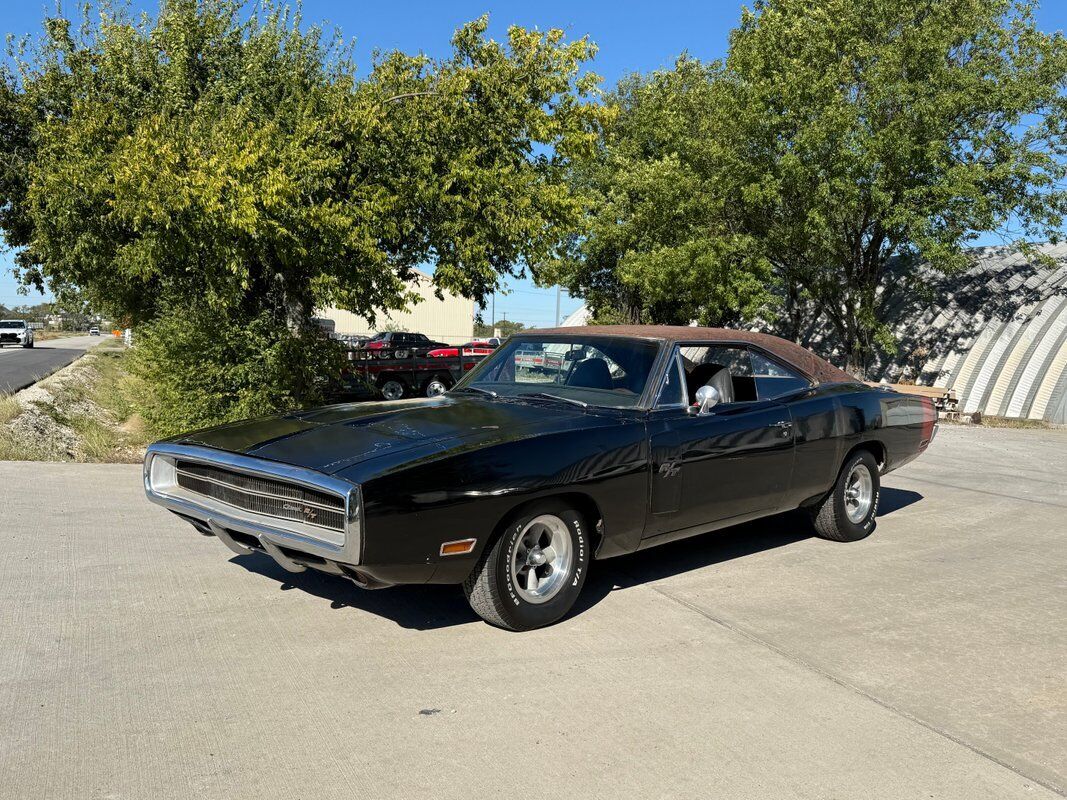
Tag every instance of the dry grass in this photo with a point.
(1006, 422)
(9, 408)
(967, 420)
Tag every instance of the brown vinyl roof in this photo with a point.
(791, 353)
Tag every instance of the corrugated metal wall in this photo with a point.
(996, 335)
(449, 320)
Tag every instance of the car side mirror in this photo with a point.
(707, 398)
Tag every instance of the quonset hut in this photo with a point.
(996, 335)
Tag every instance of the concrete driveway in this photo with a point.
(141, 660)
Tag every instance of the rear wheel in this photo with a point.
(401, 353)
(392, 389)
(532, 574)
(435, 386)
(848, 513)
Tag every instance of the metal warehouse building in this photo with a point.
(450, 319)
(996, 335)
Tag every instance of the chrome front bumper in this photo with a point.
(287, 541)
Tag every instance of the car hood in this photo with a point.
(342, 437)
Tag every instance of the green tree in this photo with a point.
(506, 327)
(227, 165)
(837, 139)
(656, 246)
(865, 133)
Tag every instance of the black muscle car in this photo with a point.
(565, 445)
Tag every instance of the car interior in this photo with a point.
(611, 371)
(740, 375)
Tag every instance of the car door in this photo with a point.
(731, 464)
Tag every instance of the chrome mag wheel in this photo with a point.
(859, 493)
(392, 390)
(541, 558)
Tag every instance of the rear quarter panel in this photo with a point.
(902, 424)
(833, 419)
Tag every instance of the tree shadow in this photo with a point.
(432, 606)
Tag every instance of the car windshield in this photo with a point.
(608, 371)
(12, 323)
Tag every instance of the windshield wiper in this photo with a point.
(489, 392)
(557, 397)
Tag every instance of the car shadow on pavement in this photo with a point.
(431, 606)
(890, 499)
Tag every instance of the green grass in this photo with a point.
(98, 441)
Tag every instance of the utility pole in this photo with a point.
(557, 305)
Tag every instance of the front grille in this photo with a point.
(9, 337)
(268, 497)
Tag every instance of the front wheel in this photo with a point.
(532, 574)
(848, 513)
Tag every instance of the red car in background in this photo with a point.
(476, 348)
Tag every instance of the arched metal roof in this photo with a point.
(996, 334)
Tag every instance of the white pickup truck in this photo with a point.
(15, 331)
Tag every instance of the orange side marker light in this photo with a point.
(460, 547)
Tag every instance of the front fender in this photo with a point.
(457, 494)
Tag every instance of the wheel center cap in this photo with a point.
(536, 558)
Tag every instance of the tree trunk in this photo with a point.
(793, 311)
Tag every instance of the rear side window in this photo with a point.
(774, 379)
(754, 376)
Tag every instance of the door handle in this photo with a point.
(784, 427)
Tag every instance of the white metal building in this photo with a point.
(448, 320)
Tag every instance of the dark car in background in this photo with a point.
(400, 344)
(563, 446)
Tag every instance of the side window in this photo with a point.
(773, 379)
(726, 367)
(740, 374)
(673, 391)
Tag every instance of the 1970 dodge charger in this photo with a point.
(610, 440)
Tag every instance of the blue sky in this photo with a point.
(632, 36)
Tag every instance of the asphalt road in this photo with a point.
(139, 659)
(20, 367)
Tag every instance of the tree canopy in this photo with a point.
(230, 165)
(241, 161)
(655, 246)
(834, 140)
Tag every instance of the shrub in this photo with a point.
(197, 368)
